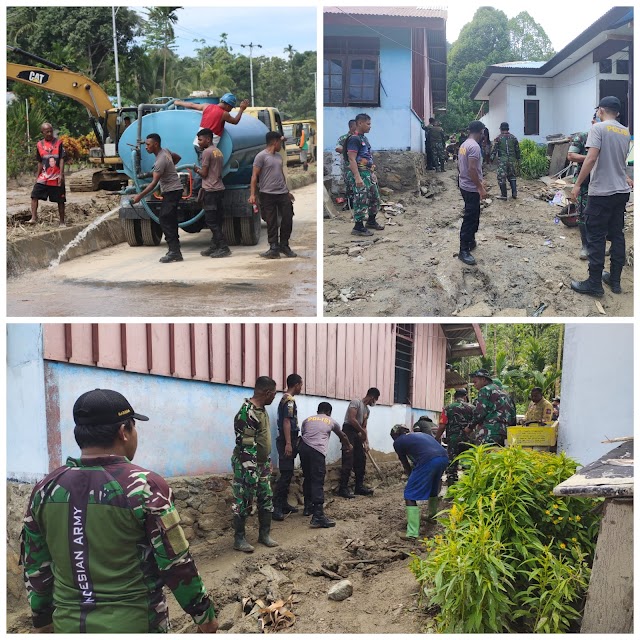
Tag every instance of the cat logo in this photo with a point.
(34, 76)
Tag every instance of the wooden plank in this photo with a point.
(234, 331)
(201, 351)
(250, 355)
(311, 359)
(350, 350)
(332, 335)
(218, 353)
(374, 347)
(341, 340)
(277, 356)
(110, 346)
(383, 345)
(160, 352)
(321, 361)
(263, 350)
(182, 350)
(82, 343)
(289, 352)
(54, 341)
(301, 351)
(366, 352)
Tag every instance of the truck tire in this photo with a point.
(231, 234)
(250, 230)
(132, 231)
(151, 233)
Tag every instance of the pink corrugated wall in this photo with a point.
(336, 360)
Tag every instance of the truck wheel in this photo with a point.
(151, 233)
(132, 231)
(250, 230)
(230, 232)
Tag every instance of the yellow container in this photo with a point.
(532, 436)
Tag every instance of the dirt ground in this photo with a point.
(526, 260)
(363, 547)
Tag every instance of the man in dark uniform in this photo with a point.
(492, 413)
(102, 536)
(458, 416)
(437, 141)
(427, 142)
(507, 148)
(287, 444)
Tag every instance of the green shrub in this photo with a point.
(513, 557)
(533, 160)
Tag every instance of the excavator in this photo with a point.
(106, 120)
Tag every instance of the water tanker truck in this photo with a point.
(239, 145)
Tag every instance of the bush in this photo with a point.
(533, 160)
(513, 558)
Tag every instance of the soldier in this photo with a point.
(426, 425)
(287, 445)
(251, 464)
(437, 141)
(458, 417)
(506, 147)
(362, 179)
(492, 412)
(427, 142)
(540, 410)
(102, 536)
(425, 476)
(340, 150)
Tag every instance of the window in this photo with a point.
(351, 71)
(404, 364)
(531, 89)
(531, 117)
(605, 66)
(622, 67)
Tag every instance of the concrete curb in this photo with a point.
(302, 180)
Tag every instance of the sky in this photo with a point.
(562, 21)
(272, 27)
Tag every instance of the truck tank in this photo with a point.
(239, 145)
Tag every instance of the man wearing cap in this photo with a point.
(540, 410)
(556, 407)
(506, 147)
(472, 189)
(426, 425)
(609, 188)
(428, 461)
(102, 537)
(314, 440)
(492, 411)
(251, 463)
(457, 417)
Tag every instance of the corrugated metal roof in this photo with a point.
(524, 64)
(397, 12)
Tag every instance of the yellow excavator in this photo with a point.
(106, 120)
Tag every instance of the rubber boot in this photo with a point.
(503, 191)
(359, 230)
(272, 252)
(319, 520)
(583, 238)
(372, 224)
(239, 541)
(413, 523)
(222, 250)
(514, 188)
(466, 257)
(592, 286)
(345, 492)
(172, 256)
(612, 280)
(433, 507)
(361, 490)
(264, 518)
(286, 250)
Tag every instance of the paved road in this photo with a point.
(124, 281)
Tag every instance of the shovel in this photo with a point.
(373, 462)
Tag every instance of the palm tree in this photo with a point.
(162, 20)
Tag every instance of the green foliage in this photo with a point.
(528, 39)
(513, 558)
(534, 162)
(20, 155)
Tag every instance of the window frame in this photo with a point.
(532, 90)
(528, 132)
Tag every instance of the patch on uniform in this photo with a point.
(177, 540)
(291, 406)
(170, 519)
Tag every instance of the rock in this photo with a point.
(354, 251)
(511, 312)
(186, 519)
(331, 295)
(333, 231)
(340, 591)
(181, 494)
(386, 191)
(208, 524)
(480, 309)
(248, 624)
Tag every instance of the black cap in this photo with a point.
(399, 429)
(611, 103)
(476, 126)
(481, 373)
(504, 126)
(103, 406)
(460, 393)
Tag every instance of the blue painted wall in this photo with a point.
(392, 120)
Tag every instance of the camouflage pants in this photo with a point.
(581, 204)
(251, 479)
(456, 444)
(490, 433)
(439, 155)
(506, 171)
(366, 199)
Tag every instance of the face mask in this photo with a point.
(598, 119)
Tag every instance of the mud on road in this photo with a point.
(524, 258)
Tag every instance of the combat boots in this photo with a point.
(222, 250)
(612, 280)
(213, 246)
(514, 188)
(239, 541)
(264, 537)
(584, 254)
(466, 257)
(592, 286)
(372, 224)
(361, 490)
(345, 492)
(319, 520)
(503, 191)
(172, 256)
(272, 252)
(289, 508)
(359, 230)
(278, 513)
(308, 508)
(286, 250)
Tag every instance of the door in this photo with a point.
(619, 89)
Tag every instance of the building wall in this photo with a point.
(575, 96)
(391, 128)
(597, 389)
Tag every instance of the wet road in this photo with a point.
(124, 281)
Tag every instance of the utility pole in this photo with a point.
(115, 54)
(251, 45)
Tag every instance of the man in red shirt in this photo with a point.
(49, 185)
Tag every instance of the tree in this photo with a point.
(528, 40)
(160, 33)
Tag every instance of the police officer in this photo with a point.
(458, 416)
(251, 465)
(287, 444)
(102, 537)
(507, 148)
(492, 411)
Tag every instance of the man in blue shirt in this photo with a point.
(428, 462)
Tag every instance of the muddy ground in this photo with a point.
(526, 260)
(364, 547)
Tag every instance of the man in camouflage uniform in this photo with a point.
(427, 142)
(492, 412)
(578, 153)
(437, 141)
(340, 151)
(362, 179)
(251, 464)
(457, 417)
(102, 537)
(507, 148)
(287, 445)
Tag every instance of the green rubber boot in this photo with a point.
(433, 507)
(264, 537)
(413, 522)
(239, 541)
